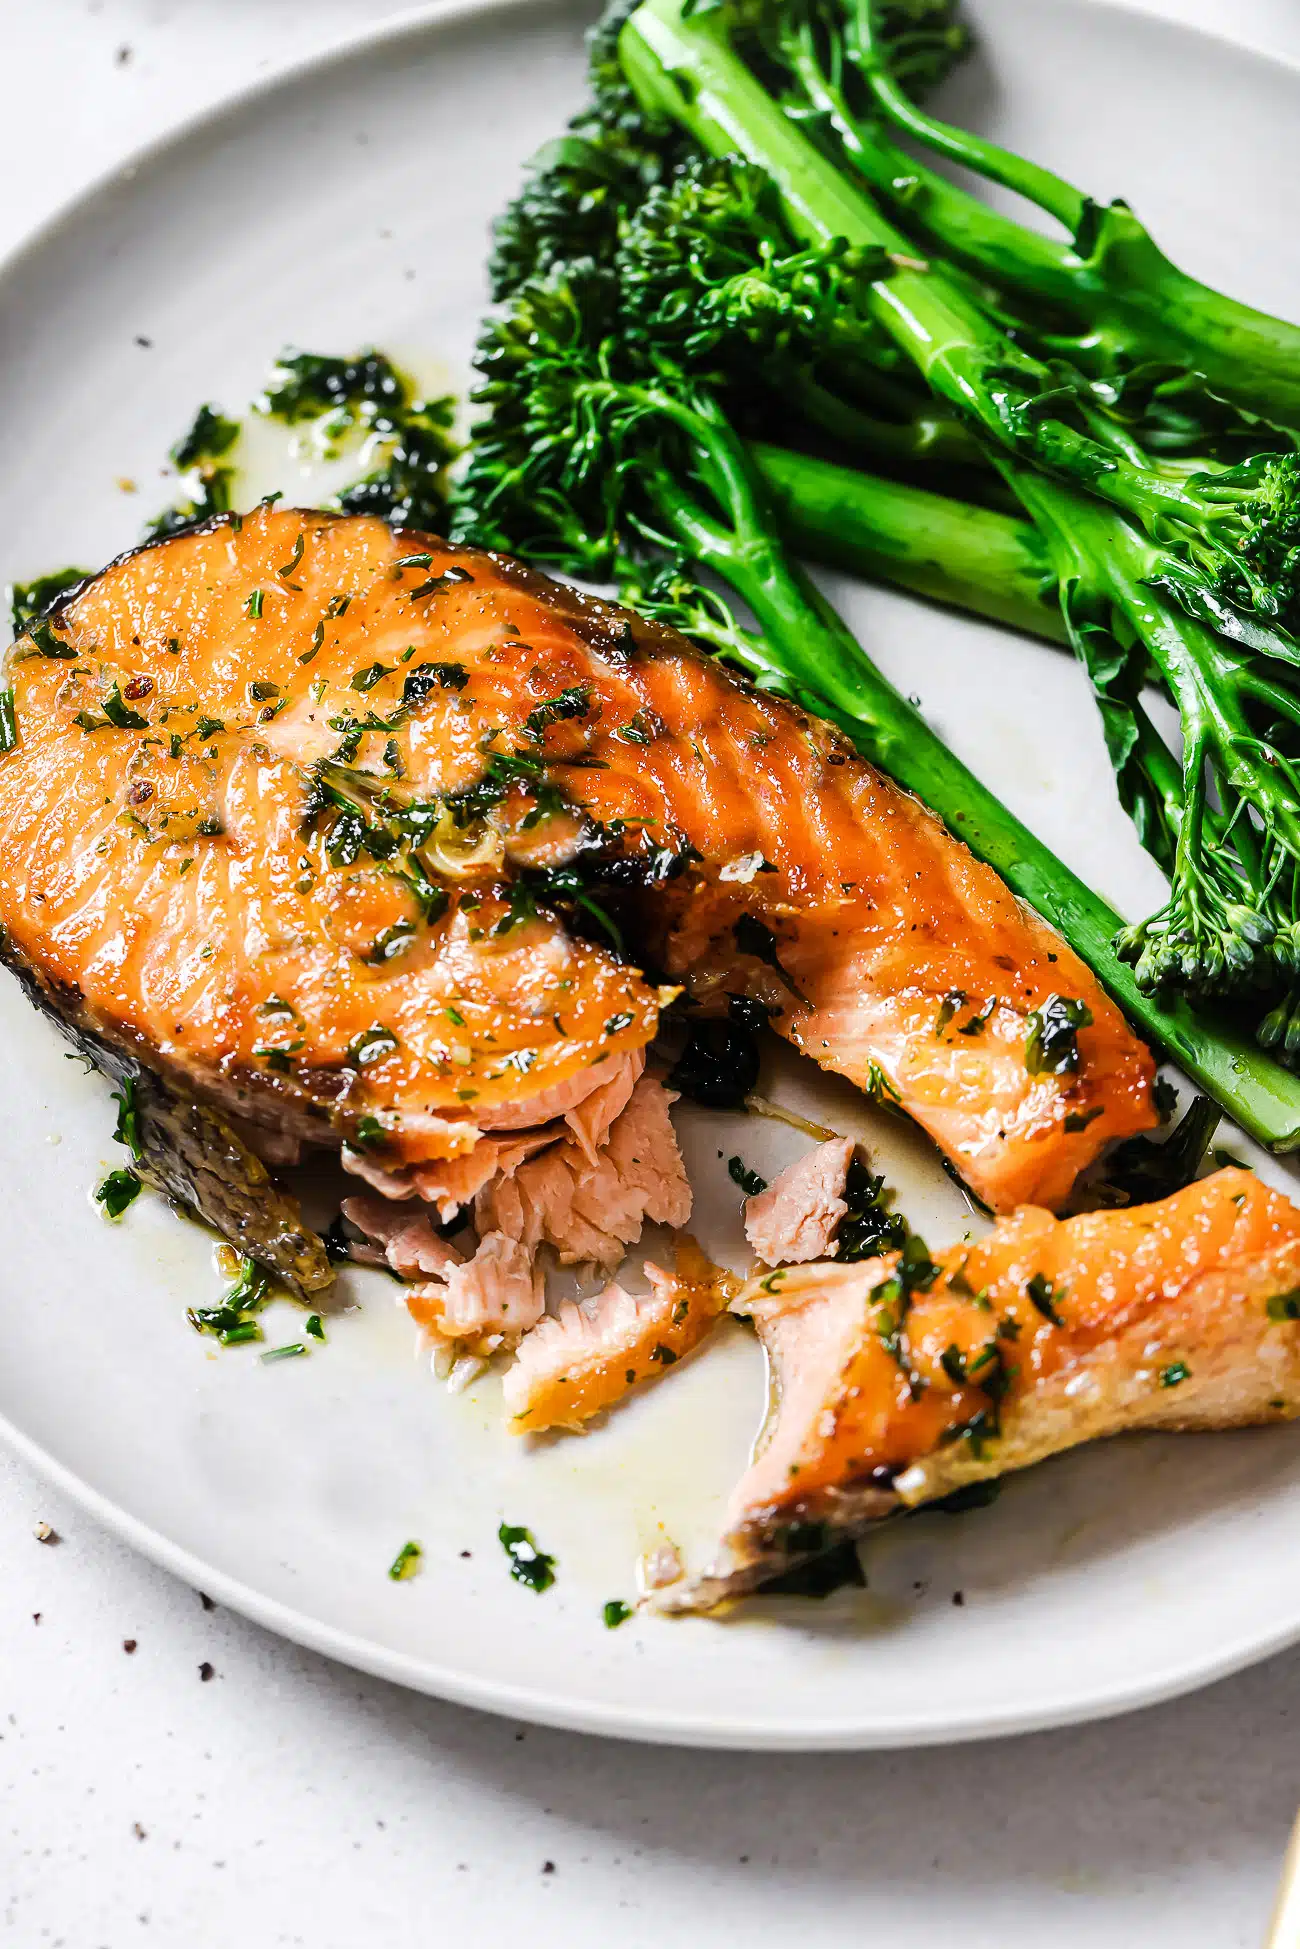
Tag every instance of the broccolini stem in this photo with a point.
(1050, 192)
(970, 558)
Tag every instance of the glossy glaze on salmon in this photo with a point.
(279, 819)
(899, 1380)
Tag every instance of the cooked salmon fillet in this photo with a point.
(900, 1379)
(341, 831)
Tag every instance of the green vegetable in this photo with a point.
(1044, 1296)
(8, 721)
(368, 397)
(233, 1322)
(127, 1129)
(749, 1181)
(200, 453)
(118, 1190)
(528, 1564)
(616, 1612)
(1052, 1047)
(1122, 303)
(1176, 1372)
(28, 601)
(119, 713)
(406, 1563)
(870, 1227)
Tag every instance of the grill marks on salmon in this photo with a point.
(899, 1380)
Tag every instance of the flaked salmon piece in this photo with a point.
(901, 1379)
(592, 1212)
(489, 1301)
(593, 1118)
(457, 1181)
(284, 815)
(592, 1353)
(795, 1219)
(404, 1236)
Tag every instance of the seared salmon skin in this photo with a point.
(898, 1380)
(371, 842)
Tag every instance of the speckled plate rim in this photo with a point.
(651, 1726)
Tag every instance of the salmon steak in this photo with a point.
(899, 1380)
(333, 836)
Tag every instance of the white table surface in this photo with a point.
(289, 1801)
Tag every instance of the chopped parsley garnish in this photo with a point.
(447, 580)
(1045, 1296)
(28, 600)
(46, 643)
(617, 1023)
(289, 1352)
(8, 721)
(869, 1228)
(528, 1564)
(663, 1355)
(369, 1134)
(749, 1181)
(948, 1007)
(1052, 1047)
(406, 1563)
(210, 435)
(368, 396)
(616, 1612)
(393, 941)
(208, 727)
(233, 1322)
(119, 713)
(879, 1088)
(570, 703)
(127, 1129)
(367, 679)
(118, 1190)
(287, 570)
(371, 1046)
(253, 606)
(1175, 1373)
(314, 1327)
(976, 1024)
(1285, 1306)
(915, 1273)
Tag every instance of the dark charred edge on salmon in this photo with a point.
(777, 1541)
(191, 1154)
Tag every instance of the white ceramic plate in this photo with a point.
(349, 204)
